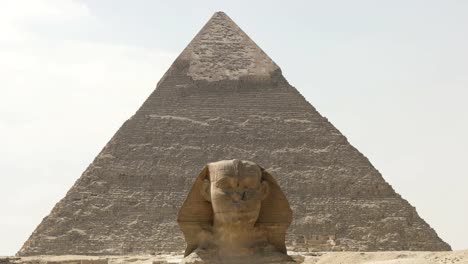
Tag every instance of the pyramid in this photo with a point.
(224, 98)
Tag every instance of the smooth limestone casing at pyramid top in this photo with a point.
(224, 98)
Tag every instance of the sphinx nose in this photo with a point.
(238, 196)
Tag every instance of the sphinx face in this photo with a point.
(236, 191)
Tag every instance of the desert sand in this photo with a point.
(394, 257)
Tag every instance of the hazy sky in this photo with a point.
(392, 76)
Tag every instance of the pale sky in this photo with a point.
(392, 76)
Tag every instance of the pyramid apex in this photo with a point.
(220, 13)
(223, 51)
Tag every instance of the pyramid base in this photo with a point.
(383, 257)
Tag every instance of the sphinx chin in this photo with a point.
(240, 217)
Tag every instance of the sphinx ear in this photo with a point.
(265, 189)
(206, 190)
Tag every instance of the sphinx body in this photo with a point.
(235, 213)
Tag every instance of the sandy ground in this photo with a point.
(403, 257)
(396, 257)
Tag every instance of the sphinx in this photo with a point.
(235, 213)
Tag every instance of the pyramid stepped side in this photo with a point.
(127, 200)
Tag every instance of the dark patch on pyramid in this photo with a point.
(224, 98)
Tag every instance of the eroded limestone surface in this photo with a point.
(127, 200)
(235, 213)
(222, 51)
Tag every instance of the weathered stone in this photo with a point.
(8, 260)
(235, 213)
(224, 98)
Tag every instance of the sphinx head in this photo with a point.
(230, 194)
(235, 190)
